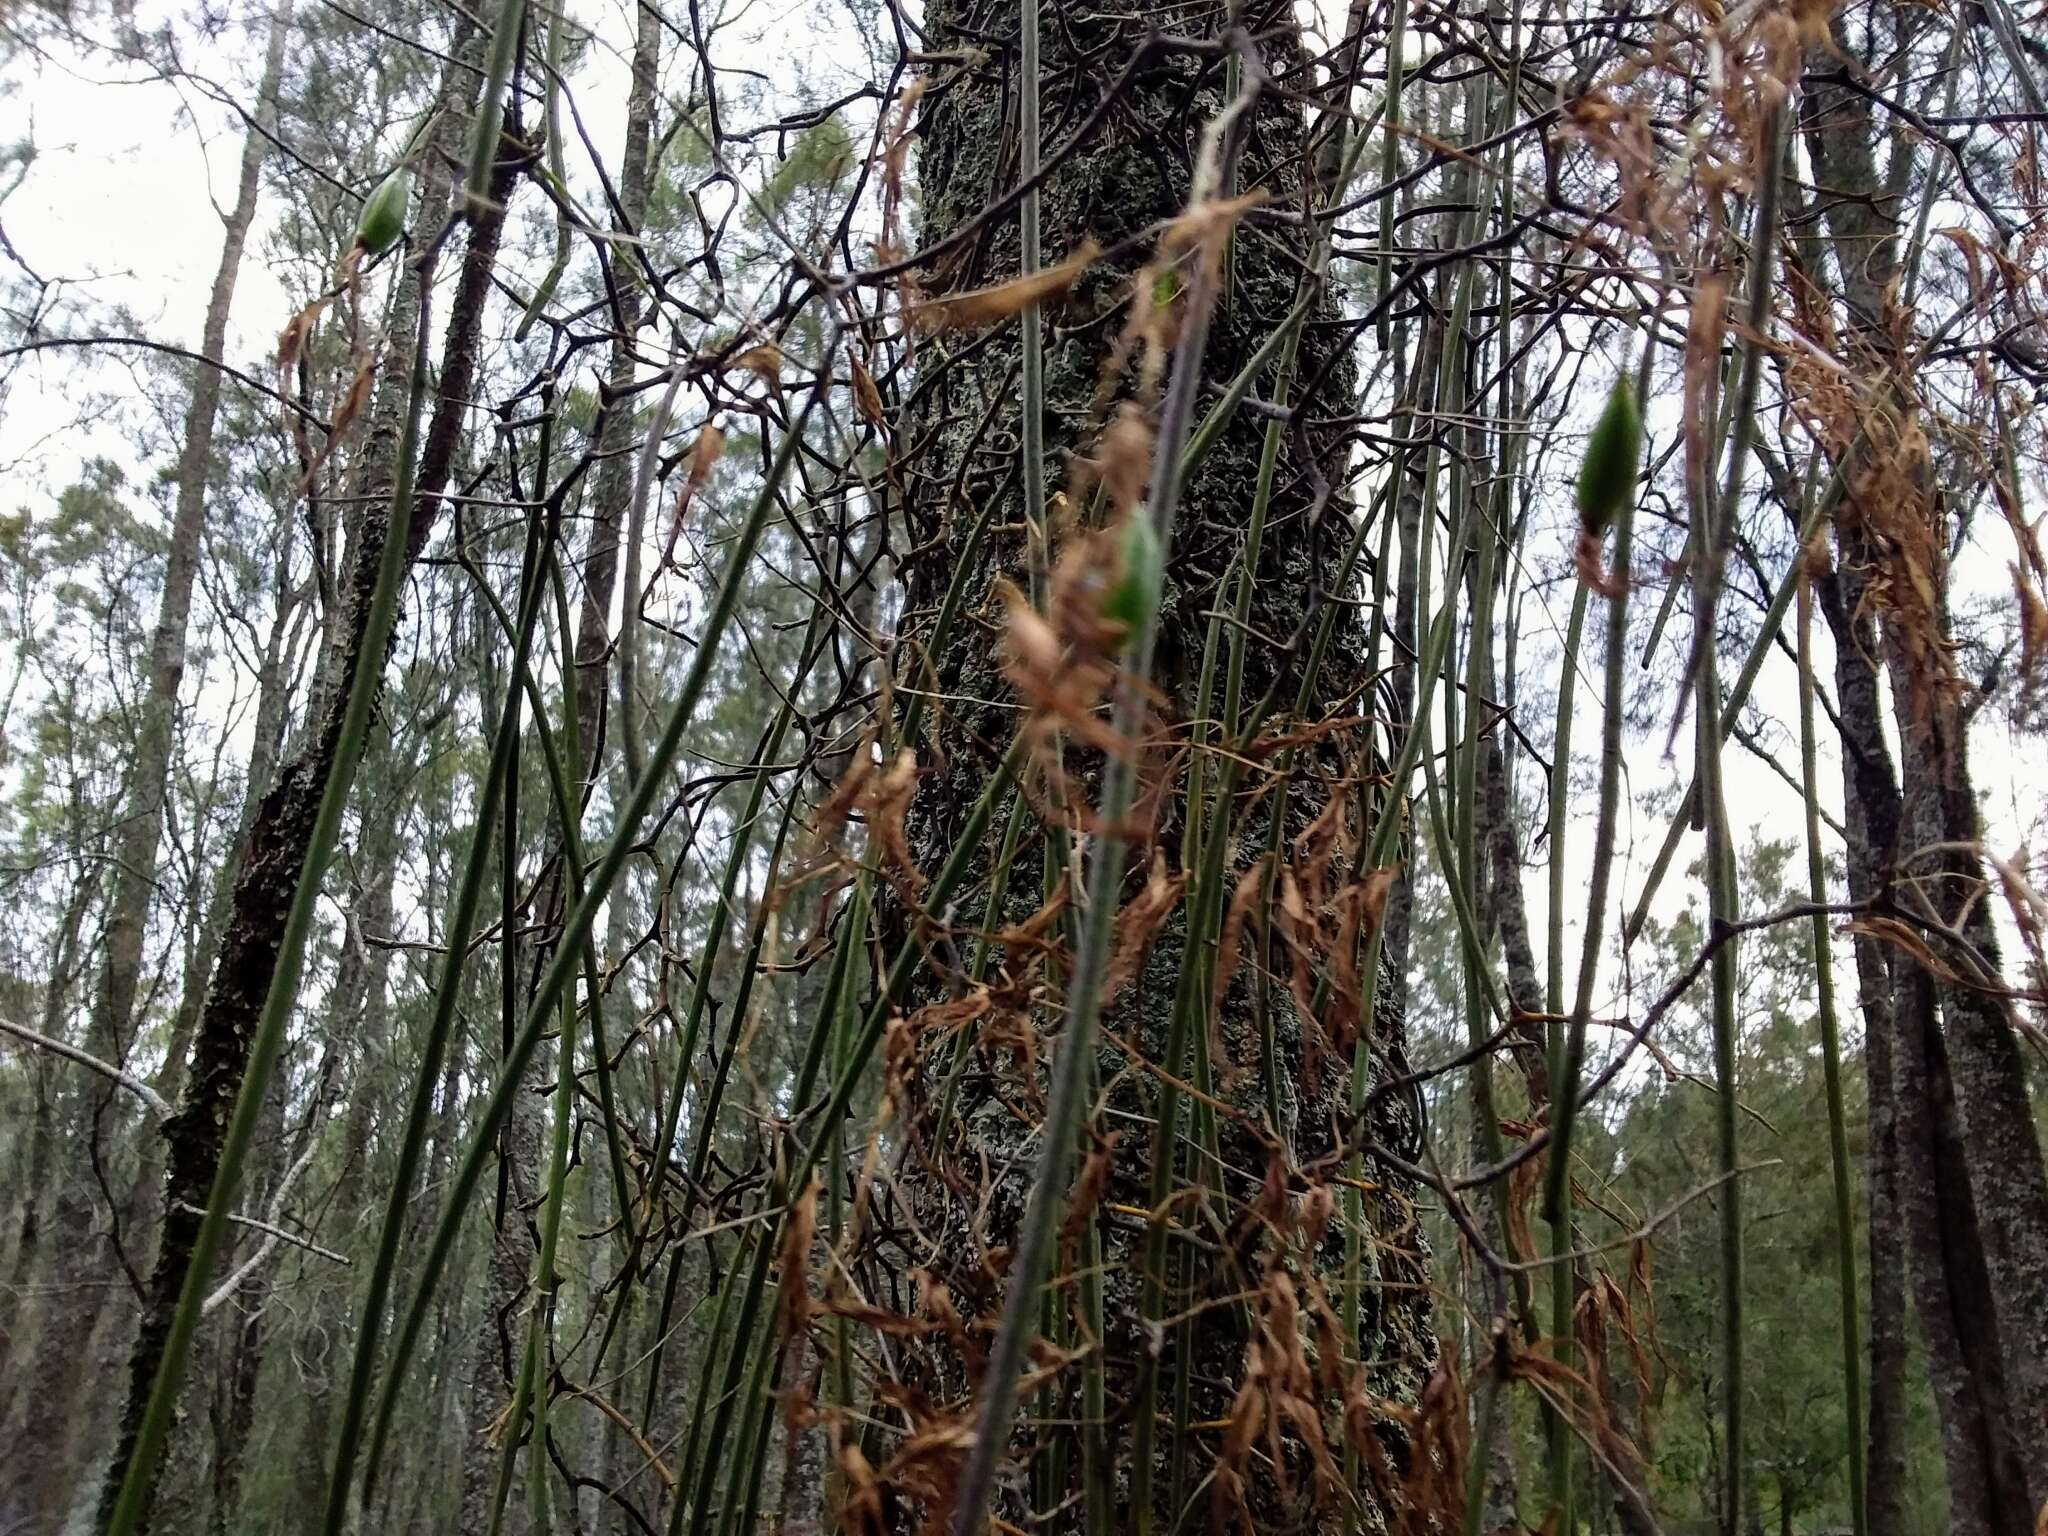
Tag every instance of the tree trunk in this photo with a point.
(274, 860)
(1870, 803)
(361, 985)
(1409, 512)
(134, 876)
(1932, 1238)
(273, 698)
(500, 1343)
(616, 456)
(64, 964)
(1988, 1117)
(283, 646)
(1970, 1178)
(84, 1104)
(961, 457)
(36, 1464)
(241, 1337)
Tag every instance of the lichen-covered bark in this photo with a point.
(1969, 1178)
(274, 852)
(959, 459)
(1870, 798)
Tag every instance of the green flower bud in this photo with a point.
(1136, 593)
(383, 218)
(1614, 456)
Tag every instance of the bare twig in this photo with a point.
(158, 1104)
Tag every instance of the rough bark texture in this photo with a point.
(1969, 1178)
(1928, 1245)
(274, 855)
(961, 458)
(1984, 1122)
(1870, 799)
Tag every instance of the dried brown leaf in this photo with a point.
(1139, 922)
(867, 399)
(984, 307)
(1089, 1187)
(794, 1295)
(888, 803)
(1124, 464)
(705, 454)
(764, 361)
(1229, 955)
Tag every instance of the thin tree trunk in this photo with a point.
(279, 839)
(273, 699)
(135, 863)
(1928, 1242)
(61, 971)
(1969, 1179)
(242, 1335)
(499, 1345)
(422, 1471)
(51, 1281)
(84, 1106)
(1409, 512)
(613, 490)
(283, 647)
(361, 987)
(1994, 1209)
(1933, 1240)
(1870, 800)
